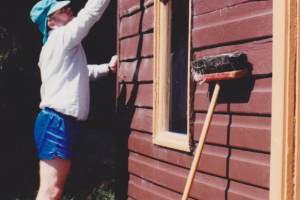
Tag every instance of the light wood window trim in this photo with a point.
(285, 161)
(162, 37)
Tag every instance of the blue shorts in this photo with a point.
(56, 133)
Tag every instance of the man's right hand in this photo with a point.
(113, 63)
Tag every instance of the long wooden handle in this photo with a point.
(201, 142)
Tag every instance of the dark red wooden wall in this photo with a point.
(235, 163)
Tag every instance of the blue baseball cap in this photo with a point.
(42, 10)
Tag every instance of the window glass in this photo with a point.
(178, 67)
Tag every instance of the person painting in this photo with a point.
(65, 87)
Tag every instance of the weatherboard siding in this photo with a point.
(235, 162)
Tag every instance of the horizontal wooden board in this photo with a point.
(127, 7)
(204, 6)
(130, 25)
(148, 45)
(250, 167)
(213, 159)
(202, 99)
(260, 99)
(138, 70)
(245, 95)
(239, 191)
(234, 31)
(174, 178)
(128, 71)
(251, 133)
(140, 94)
(141, 189)
(148, 19)
(247, 132)
(218, 130)
(259, 54)
(230, 14)
(142, 120)
(129, 48)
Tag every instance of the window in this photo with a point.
(171, 74)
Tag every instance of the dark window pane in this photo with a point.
(179, 69)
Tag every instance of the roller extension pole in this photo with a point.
(201, 142)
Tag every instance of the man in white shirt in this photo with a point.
(65, 87)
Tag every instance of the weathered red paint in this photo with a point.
(239, 191)
(251, 132)
(142, 120)
(236, 156)
(250, 167)
(127, 7)
(129, 48)
(129, 26)
(148, 19)
(142, 93)
(147, 49)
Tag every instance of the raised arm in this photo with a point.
(79, 27)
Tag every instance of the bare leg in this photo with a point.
(53, 174)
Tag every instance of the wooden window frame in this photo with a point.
(162, 52)
(285, 133)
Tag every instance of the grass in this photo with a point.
(105, 191)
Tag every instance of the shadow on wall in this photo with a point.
(125, 113)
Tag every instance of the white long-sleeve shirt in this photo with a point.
(64, 70)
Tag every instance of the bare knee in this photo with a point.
(53, 174)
